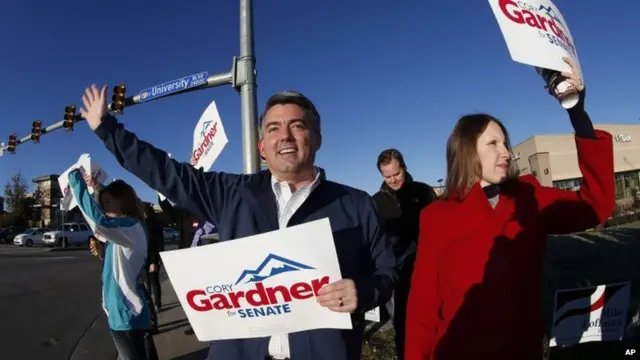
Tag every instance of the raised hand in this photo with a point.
(90, 180)
(95, 105)
(573, 77)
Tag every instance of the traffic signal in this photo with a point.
(13, 142)
(117, 104)
(36, 131)
(69, 117)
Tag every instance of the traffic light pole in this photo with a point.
(242, 77)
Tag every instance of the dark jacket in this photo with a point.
(401, 211)
(183, 220)
(244, 205)
(155, 239)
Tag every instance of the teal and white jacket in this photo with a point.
(125, 253)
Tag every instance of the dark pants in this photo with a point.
(154, 285)
(134, 345)
(146, 282)
(186, 238)
(400, 299)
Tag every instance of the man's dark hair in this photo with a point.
(292, 97)
(388, 155)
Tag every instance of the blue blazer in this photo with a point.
(243, 205)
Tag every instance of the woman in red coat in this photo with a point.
(476, 287)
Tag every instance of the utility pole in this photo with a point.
(246, 83)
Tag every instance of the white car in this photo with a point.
(68, 234)
(30, 237)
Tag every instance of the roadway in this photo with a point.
(50, 305)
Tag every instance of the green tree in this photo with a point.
(15, 192)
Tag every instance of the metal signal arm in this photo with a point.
(242, 77)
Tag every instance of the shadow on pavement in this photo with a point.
(169, 307)
(172, 325)
(196, 355)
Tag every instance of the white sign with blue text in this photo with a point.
(257, 286)
(596, 313)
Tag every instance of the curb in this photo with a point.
(96, 342)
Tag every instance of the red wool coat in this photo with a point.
(476, 287)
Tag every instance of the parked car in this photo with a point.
(170, 235)
(30, 237)
(8, 234)
(68, 234)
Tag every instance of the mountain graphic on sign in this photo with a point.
(205, 126)
(551, 13)
(271, 266)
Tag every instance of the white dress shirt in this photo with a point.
(288, 203)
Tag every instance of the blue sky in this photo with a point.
(381, 75)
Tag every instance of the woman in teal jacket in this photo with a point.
(117, 222)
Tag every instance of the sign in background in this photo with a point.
(373, 315)
(536, 33)
(209, 138)
(597, 313)
(260, 285)
(84, 164)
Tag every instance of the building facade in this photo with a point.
(553, 159)
(46, 202)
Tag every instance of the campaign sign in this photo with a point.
(209, 138)
(597, 313)
(84, 164)
(536, 33)
(173, 86)
(260, 285)
(373, 315)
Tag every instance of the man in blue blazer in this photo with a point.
(292, 191)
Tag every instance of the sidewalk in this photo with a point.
(171, 341)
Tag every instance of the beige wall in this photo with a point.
(48, 216)
(541, 168)
(562, 159)
(521, 154)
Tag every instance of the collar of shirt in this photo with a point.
(278, 185)
(288, 203)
